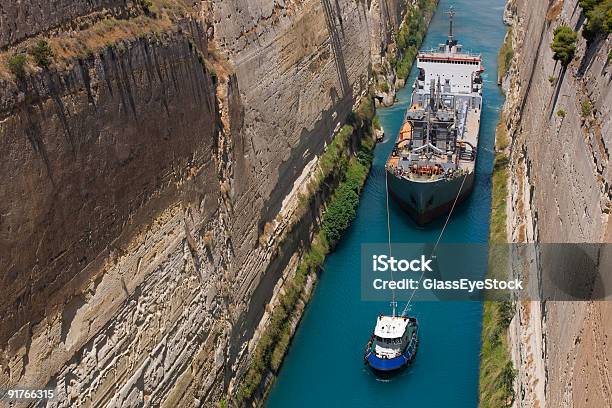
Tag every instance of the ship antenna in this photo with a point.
(451, 13)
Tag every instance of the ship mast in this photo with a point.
(451, 40)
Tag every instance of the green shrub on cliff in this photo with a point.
(496, 369)
(507, 377)
(506, 313)
(599, 18)
(588, 5)
(411, 34)
(564, 45)
(334, 151)
(376, 123)
(149, 8)
(343, 206)
(340, 213)
(586, 108)
(42, 53)
(404, 66)
(16, 64)
(366, 110)
(504, 58)
(428, 5)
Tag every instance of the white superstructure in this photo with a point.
(452, 71)
(391, 335)
(457, 71)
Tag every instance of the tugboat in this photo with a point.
(393, 344)
(432, 166)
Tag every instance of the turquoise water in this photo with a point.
(324, 366)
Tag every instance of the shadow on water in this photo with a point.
(324, 366)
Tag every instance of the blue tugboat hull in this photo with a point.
(388, 366)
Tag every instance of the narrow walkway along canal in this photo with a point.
(324, 366)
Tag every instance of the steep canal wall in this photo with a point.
(558, 122)
(328, 205)
(155, 155)
(393, 67)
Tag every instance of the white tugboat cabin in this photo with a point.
(390, 336)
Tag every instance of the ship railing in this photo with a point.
(432, 172)
(432, 52)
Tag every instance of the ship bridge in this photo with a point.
(457, 72)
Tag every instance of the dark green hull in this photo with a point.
(425, 201)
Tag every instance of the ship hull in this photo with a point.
(386, 367)
(426, 201)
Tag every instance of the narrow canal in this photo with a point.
(324, 366)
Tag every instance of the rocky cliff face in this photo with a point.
(300, 69)
(560, 192)
(146, 184)
(26, 18)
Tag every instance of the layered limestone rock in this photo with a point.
(19, 20)
(560, 192)
(105, 177)
(148, 184)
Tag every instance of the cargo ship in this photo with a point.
(432, 166)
